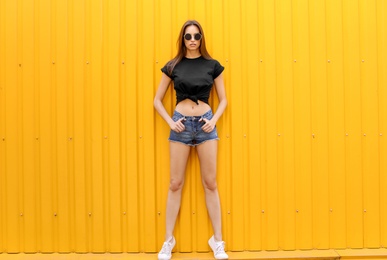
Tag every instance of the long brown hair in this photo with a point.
(182, 50)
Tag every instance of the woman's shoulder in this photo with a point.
(216, 67)
(168, 68)
(168, 63)
(212, 61)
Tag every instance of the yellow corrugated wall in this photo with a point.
(84, 164)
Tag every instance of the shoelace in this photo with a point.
(167, 248)
(219, 247)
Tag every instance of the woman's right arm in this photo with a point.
(158, 104)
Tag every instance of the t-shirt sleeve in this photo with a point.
(165, 70)
(218, 69)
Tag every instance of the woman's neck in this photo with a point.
(192, 54)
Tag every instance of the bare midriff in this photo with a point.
(189, 108)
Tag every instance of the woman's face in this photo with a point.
(191, 33)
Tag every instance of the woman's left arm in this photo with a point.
(221, 91)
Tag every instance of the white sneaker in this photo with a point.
(218, 248)
(166, 251)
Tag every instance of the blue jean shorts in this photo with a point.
(193, 134)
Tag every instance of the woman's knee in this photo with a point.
(176, 184)
(210, 184)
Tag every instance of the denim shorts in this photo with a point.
(193, 134)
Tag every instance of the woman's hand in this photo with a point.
(178, 126)
(208, 125)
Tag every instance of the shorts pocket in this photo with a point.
(176, 116)
(208, 115)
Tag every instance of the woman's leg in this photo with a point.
(207, 153)
(178, 161)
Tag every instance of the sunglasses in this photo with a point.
(196, 36)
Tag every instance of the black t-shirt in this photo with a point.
(193, 78)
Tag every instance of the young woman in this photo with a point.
(193, 72)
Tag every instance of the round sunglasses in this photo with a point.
(196, 36)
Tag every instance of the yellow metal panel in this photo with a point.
(86, 64)
(78, 134)
(251, 127)
(319, 120)
(71, 118)
(60, 69)
(122, 127)
(369, 103)
(45, 135)
(302, 118)
(131, 131)
(105, 123)
(27, 64)
(236, 131)
(269, 128)
(2, 125)
(113, 93)
(97, 134)
(13, 133)
(146, 126)
(162, 54)
(336, 124)
(354, 180)
(84, 162)
(245, 135)
(285, 133)
(382, 89)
